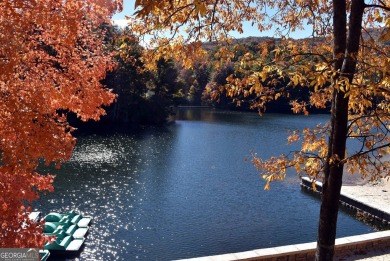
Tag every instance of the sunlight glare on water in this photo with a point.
(187, 190)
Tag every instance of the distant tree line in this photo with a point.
(147, 97)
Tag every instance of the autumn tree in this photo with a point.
(194, 81)
(345, 63)
(128, 80)
(202, 73)
(52, 58)
(216, 88)
(165, 91)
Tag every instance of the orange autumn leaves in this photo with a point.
(293, 64)
(52, 59)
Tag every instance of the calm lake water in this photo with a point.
(188, 190)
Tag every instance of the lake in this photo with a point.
(189, 189)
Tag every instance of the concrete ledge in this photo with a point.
(352, 202)
(306, 251)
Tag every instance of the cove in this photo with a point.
(189, 189)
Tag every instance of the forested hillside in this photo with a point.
(146, 97)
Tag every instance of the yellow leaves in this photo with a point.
(146, 7)
(351, 167)
(314, 141)
(256, 86)
(263, 74)
(274, 168)
(373, 168)
(123, 46)
(294, 137)
(200, 7)
(368, 144)
(295, 79)
(298, 168)
(385, 36)
(342, 84)
(321, 98)
(277, 52)
(359, 101)
(320, 77)
(264, 52)
(224, 54)
(176, 50)
(299, 107)
(313, 185)
(312, 166)
(306, 63)
(247, 60)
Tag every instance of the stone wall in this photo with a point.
(352, 245)
(350, 202)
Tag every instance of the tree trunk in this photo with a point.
(332, 184)
(345, 53)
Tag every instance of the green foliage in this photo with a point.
(143, 97)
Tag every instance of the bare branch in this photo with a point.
(364, 153)
(384, 7)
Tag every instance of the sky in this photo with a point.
(128, 10)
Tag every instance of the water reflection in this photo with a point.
(187, 190)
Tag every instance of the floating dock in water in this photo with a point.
(70, 230)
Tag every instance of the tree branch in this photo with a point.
(378, 6)
(365, 152)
